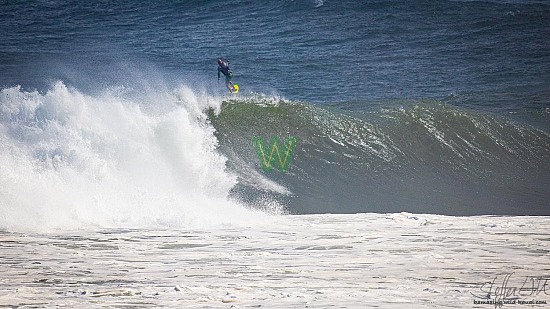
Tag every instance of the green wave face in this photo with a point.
(422, 156)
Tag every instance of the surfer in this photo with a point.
(223, 67)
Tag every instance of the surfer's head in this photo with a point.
(220, 61)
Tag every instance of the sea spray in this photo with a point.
(71, 160)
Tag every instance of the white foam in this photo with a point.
(348, 261)
(73, 160)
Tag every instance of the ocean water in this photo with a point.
(417, 122)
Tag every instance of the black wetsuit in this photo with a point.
(224, 69)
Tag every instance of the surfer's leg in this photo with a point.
(229, 84)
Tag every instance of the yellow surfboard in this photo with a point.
(235, 88)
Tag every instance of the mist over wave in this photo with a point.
(72, 160)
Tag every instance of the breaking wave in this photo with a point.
(71, 160)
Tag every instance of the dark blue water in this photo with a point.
(458, 91)
(339, 51)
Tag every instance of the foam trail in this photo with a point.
(69, 160)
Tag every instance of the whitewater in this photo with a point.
(311, 261)
(70, 160)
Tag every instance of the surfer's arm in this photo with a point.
(219, 70)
